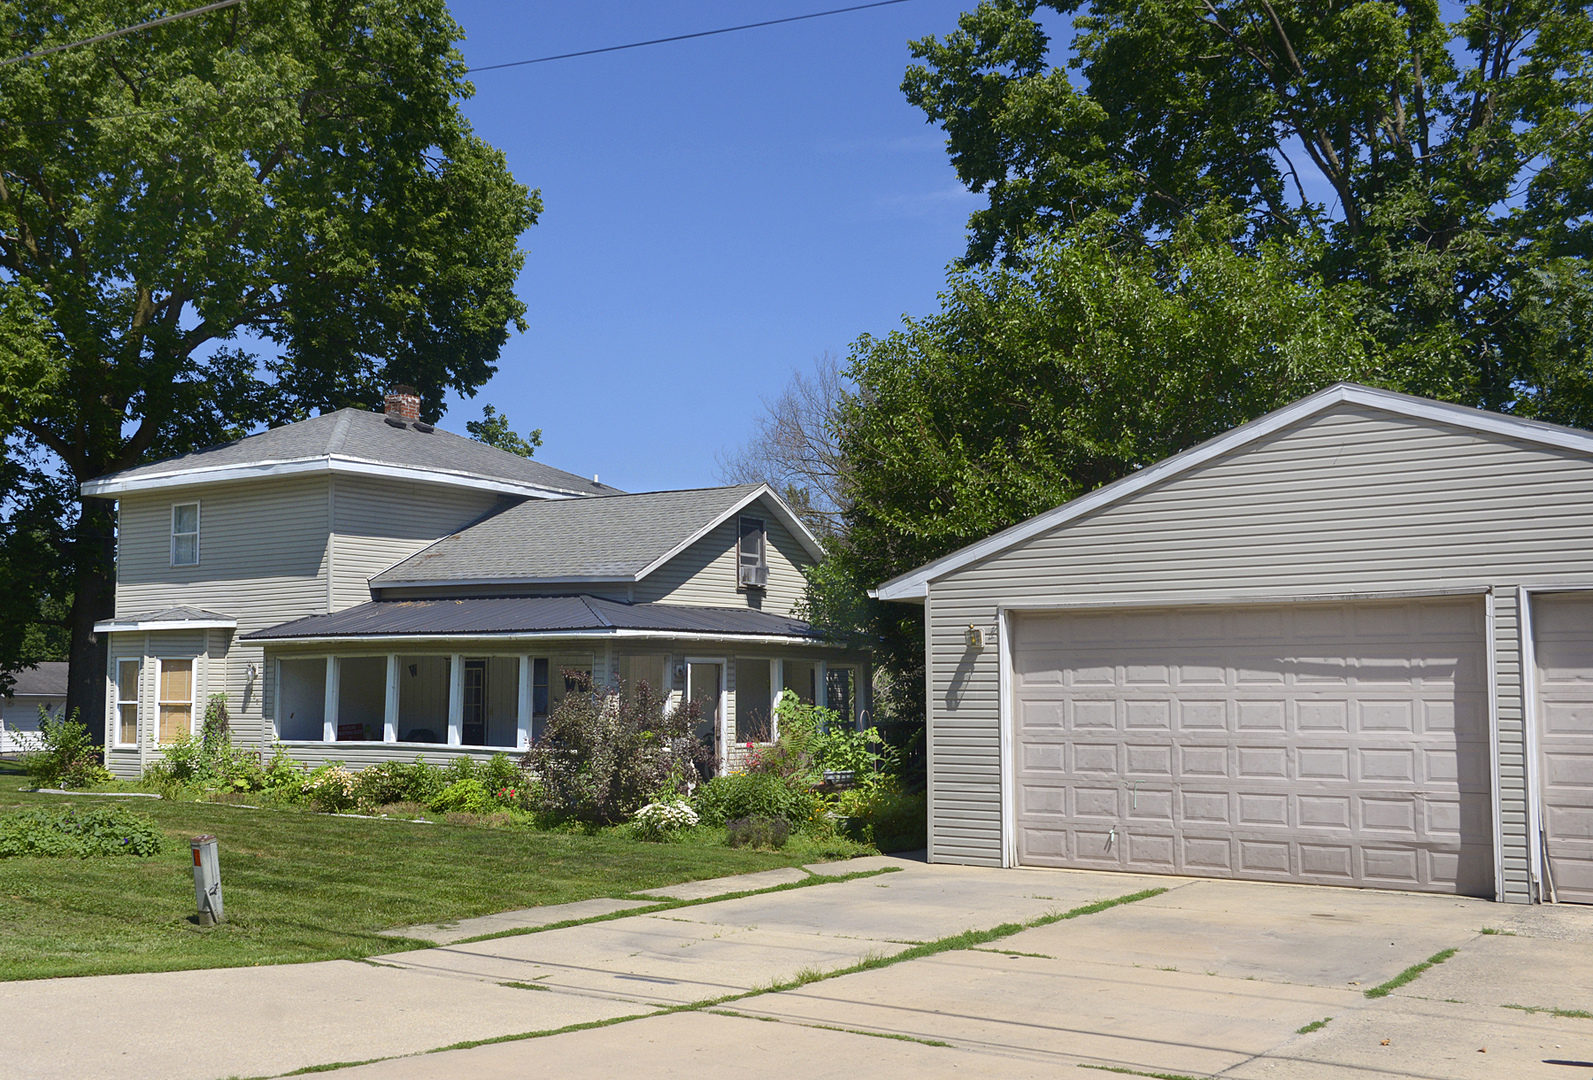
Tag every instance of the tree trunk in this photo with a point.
(93, 599)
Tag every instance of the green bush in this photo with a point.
(396, 781)
(82, 834)
(743, 795)
(814, 740)
(208, 761)
(758, 832)
(465, 797)
(64, 755)
(889, 820)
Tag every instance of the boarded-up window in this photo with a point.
(635, 670)
(176, 700)
(127, 701)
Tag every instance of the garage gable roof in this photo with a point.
(913, 586)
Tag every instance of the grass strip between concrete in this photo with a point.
(1315, 1025)
(1569, 1014)
(968, 939)
(656, 907)
(1137, 1072)
(1410, 974)
(830, 1027)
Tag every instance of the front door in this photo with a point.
(705, 688)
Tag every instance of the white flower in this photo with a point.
(660, 818)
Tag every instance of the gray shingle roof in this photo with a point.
(616, 536)
(360, 436)
(529, 614)
(46, 680)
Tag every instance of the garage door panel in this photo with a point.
(1563, 644)
(1271, 715)
(1147, 715)
(1285, 743)
(1264, 809)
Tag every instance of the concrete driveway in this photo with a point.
(1205, 979)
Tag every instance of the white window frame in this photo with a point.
(763, 546)
(136, 701)
(193, 696)
(175, 534)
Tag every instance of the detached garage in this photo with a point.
(1292, 653)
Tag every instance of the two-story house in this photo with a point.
(366, 587)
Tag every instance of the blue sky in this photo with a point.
(719, 212)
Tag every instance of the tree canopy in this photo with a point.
(1038, 382)
(494, 430)
(1446, 168)
(243, 217)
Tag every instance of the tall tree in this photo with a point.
(1035, 384)
(793, 447)
(295, 172)
(1446, 167)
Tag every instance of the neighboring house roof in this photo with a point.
(913, 586)
(354, 441)
(172, 618)
(584, 615)
(48, 680)
(614, 538)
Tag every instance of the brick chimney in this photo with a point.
(402, 403)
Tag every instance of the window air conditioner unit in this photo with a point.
(754, 577)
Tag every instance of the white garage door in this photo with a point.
(1341, 744)
(1562, 628)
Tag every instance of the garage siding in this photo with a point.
(1350, 501)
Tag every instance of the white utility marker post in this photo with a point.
(207, 880)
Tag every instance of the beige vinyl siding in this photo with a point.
(704, 575)
(262, 551)
(377, 523)
(263, 560)
(1351, 501)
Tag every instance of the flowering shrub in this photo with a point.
(661, 820)
(331, 788)
(604, 753)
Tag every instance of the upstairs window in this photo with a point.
(752, 554)
(185, 534)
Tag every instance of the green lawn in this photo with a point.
(301, 886)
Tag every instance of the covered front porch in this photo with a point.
(372, 695)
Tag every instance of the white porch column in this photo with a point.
(776, 685)
(329, 713)
(821, 684)
(456, 698)
(522, 738)
(390, 702)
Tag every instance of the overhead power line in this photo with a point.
(469, 71)
(118, 33)
(687, 37)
